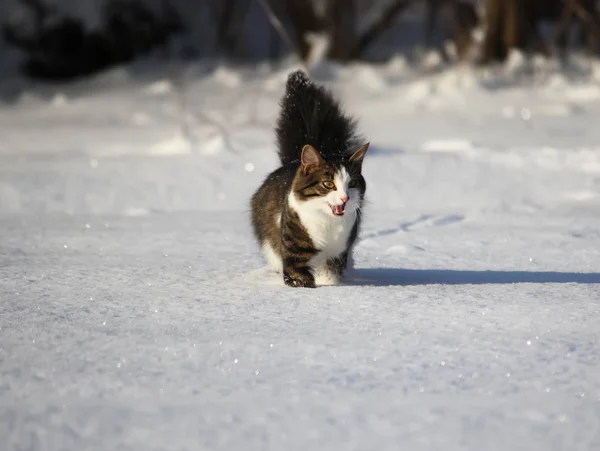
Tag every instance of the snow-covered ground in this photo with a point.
(135, 312)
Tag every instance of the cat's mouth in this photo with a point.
(338, 210)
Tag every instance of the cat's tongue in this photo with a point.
(338, 209)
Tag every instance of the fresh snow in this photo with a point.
(136, 312)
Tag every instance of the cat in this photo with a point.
(306, 215)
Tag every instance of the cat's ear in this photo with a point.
(358, 156)
(311, 158)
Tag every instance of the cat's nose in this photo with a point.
(344, 199)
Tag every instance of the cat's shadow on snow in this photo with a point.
(385, 277)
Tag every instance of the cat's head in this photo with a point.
(334, 186)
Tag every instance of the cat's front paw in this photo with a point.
(299, 282)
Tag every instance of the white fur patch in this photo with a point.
(324, 277)
(341, 180)
(273, 260)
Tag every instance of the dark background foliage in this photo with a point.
(66, 39)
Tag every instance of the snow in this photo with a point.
(136, 312)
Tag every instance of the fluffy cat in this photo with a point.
(306, 215)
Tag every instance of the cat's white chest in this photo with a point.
(328, 233)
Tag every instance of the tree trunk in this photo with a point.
(342, 28)
(509, 26)
(494, 48)
(518, 25)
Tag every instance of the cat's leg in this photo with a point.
(337, 266)
(327, 271)
(297, 272)
(297, 252)
(272, 257)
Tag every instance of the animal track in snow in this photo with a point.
(415, 224)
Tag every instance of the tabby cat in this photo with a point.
(306, 215)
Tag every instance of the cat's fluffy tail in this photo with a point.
(310, 115)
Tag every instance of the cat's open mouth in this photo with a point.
(338, 210)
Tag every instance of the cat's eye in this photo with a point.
(352, 184)
(328, 185)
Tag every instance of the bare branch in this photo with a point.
(585, 15)
(276, 23)
(384, 21)
(575, 7)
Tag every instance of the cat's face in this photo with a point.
(332, 187)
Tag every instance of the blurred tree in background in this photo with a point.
(516, 24)
(63, 39)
